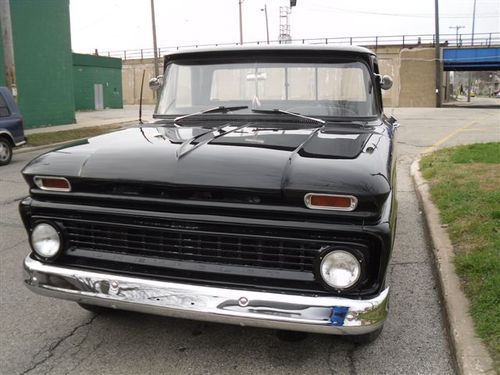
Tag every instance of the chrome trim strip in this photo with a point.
(354, 202)
(331, 315)
(38, 182)
(20, 143)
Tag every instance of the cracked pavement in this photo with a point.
(41, 335)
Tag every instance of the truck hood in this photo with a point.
(334, 159)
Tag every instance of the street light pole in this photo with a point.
(8, 46)
(155, 46)
(267, 22)
(472, 44)
(241, 22)
(437, 55)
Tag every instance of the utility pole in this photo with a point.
(285, 36)
(456, 32)
(241, 22)
(473, 21)
(472, 43)
(155, 46)
(8, 47)
(437, 55)
(267, 22)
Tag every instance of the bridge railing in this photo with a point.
(452, 40)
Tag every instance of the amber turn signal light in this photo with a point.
(52, 183)
(330, 202)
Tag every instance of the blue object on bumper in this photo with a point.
(338, 315)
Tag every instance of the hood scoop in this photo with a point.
(333, 145)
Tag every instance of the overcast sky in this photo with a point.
(126, 24)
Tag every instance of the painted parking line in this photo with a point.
(477, 130)
(450, 135)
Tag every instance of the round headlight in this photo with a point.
(45, 240)
(340, 269)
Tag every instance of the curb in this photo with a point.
(75, 126)
(470, 353)
(41, 147)
(52, 145)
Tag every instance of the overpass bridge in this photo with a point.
(409, 59)
(373, 42)
(471, 59)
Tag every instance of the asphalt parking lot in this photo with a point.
(41, 335)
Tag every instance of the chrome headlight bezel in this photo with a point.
(355, 254)
(56, 232)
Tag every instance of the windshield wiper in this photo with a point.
(220, 109)
(283, 112)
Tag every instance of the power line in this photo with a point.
(411, 15)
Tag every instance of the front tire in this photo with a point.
(365, 338)
(291, 336)
(5, 151)
(99, 310)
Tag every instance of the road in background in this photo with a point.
(108, 116)
(42, 335)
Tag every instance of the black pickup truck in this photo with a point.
(262, 194)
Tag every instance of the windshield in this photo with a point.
(342, 89)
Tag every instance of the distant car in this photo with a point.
(11, 126)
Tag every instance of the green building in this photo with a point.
(51, 81)
(97, 77)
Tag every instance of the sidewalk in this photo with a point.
(129, 113)
(475, 102)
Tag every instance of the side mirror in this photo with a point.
(385, 82)
(392, 120)
(156, 83)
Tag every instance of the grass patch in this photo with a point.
(477, 153)
(39, 139)
(465, 185)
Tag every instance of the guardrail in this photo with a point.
(403, 41)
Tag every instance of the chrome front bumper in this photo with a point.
(331, 315)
